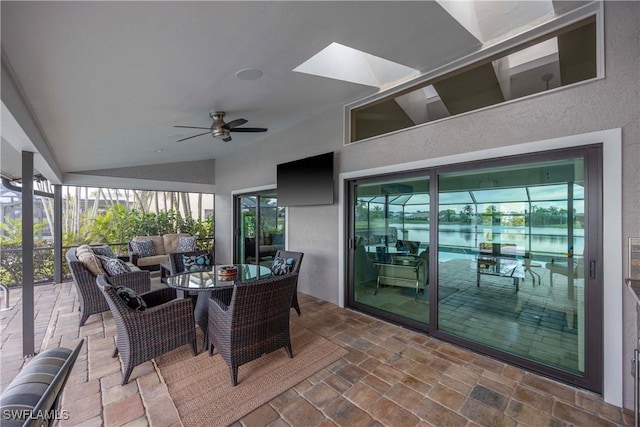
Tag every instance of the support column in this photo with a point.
(57, 233)
(28, 324)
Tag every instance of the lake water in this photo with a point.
(550, 240)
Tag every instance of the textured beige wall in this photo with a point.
(612, 102)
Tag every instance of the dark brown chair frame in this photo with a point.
(297, 262)
(90, 299)
(255, 321)
(166, 324)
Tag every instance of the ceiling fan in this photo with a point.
(221, 130)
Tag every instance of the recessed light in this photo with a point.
(158, 151)
(249, 74)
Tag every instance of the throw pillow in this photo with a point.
(282, 266)
(196, 262)
(131, 299)
(187, 244)
(85, 255)
(104, 251)
(114, 266)
(143, 248)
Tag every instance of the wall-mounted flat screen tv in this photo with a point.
(306, 181)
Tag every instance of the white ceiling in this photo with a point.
(106, 81)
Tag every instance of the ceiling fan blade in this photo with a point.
(234, 123)
(191, 127)
(194, 136)
(227, 139)
(248, 130)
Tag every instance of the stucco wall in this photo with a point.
(607, 103)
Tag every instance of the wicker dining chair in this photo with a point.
(90, 299)
(297, 261)
(167, 323)
(255, 321)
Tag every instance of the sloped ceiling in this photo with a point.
(105, 82)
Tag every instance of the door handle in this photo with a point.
(592, 270)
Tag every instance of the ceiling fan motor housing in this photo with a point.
(217, 131)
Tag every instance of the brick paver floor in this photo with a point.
(390, 377)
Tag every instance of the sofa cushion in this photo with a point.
(144, 248)
(85, 255)
(153, 260)
(158, 243)
(186, 244)
(170, 242)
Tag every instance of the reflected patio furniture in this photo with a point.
(167, 323)
(570, 267)
(253, 322)
(407, 271)
(500, 267)
(529, 265)
(561, 266)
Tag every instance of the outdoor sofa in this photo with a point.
(159, 249)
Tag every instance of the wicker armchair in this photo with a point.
(254, 322)
(297, 261)
(166, 324)
(90, 299)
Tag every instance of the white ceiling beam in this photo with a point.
(20, 127)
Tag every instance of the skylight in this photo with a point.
(341, 62)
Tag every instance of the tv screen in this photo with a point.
(306, 182)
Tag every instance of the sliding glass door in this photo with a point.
(390, 242)
(260, 228)
(513, 269)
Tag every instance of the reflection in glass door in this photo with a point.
(260, 225)
(520, 285)
(390, 247)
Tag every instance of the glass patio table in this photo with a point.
(500, 267)
(205, 282)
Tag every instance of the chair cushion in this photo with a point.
(282, 266)
(186, 244)
(114, 266)
(144, 248)
(85, 255)
(170, 242)
(104, 251)
(196, 262)
(131, 298)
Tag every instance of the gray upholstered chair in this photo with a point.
(255, 321)
(297, 262)
(165, 324)
(37, 388)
